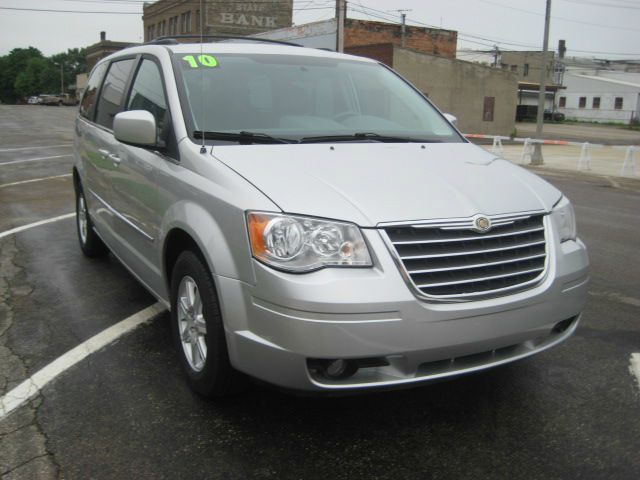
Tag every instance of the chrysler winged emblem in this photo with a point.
(481, 224)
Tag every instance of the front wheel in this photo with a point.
(198, 330)
(90, 243)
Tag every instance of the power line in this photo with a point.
(571, 20)
(600, 4)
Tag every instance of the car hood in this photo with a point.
(372, 183)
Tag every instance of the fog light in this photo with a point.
(340, 369)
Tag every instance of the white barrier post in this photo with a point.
(497, 146)
(630, 162)
(527, 150)
(584, 162)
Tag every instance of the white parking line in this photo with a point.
(32, 386)
(34, 148)
(34, 159)
(634, 367)
(6, 233)
(34, 180)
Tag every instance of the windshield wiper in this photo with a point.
(376, 137)
(243, 137)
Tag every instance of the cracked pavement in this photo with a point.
(126, 412)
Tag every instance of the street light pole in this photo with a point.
(61, 78)
(536, 157)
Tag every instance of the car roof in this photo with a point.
(240, 47)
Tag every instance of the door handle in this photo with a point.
(115, 159)
(104, 153)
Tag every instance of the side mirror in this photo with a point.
(451, 118)
(135, 127)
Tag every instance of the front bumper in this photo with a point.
(277, 325)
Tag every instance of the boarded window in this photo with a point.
(582, 103)
(563, 102)
(618, 103)
(596, 102)
(489, 105)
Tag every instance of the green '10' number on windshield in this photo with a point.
(202, 60)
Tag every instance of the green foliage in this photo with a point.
(25, 72)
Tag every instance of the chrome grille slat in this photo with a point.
(480, 279)
(463, 239)
(477, 252)
(450, 260)
(478, 265)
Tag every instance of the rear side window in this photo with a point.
(91, 91)
(112, 94)
(147, 93)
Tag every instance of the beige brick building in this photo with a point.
(182, 17)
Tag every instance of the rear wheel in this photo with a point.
(90, 243)
(198, 330)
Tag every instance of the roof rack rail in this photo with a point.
(173, 39)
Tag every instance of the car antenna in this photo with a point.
(203, 148)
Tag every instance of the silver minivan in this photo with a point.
(313, 221)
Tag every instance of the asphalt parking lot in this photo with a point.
(125, 411)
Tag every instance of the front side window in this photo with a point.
(147, 93)
(618, 103)
(112, 94)
(582, 102)
(596, 102)
(563, 102)
(90, 95)
(298, 97)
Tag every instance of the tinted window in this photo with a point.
(91, 90)
(112, 94)
(147, 93)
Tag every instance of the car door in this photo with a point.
(88, 144)
(103, 162)
(135, 191)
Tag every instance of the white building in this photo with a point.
(600, 95)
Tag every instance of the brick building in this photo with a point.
(427, 40)
(180, 17)
(103, 48)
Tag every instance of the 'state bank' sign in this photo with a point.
(248, 17)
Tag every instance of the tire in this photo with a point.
(90, 244)
(198, 329)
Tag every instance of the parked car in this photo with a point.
(50, 99)
(554, 116)
(34, 100)
(313, 221)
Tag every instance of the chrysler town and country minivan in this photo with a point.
(311, 220)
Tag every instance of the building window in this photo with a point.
(582, 103)
(618, 103)
(596, 102)
(198, 21)
(487, 113)
(186, 22)
(563, 102)
(526, 70)
(150, 32)
(514, 68)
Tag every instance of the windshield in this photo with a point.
(297, 98)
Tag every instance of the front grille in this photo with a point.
(448, 259)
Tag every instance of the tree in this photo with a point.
(12, 65)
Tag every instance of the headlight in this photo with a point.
(564, 219)
(302, 244)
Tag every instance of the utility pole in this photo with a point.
(403, 26)
(61, 78)
(341, 13)
(536, 157)
(496, 52)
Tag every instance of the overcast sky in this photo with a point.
(592, 28)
